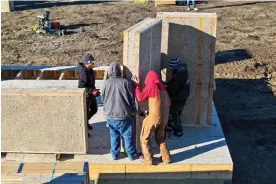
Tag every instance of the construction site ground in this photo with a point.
(245, 69)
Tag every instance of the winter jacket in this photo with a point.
(86, 78)
(157, 97)
(117, 95)
(179, 85)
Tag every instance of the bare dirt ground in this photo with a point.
(245, 69)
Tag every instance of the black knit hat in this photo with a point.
(88, 58)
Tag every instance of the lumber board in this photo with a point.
(46, 172)
(47, 72)
(43, 167)
(45, 177)
(105, 171)
(19, 75)
(41, 75)
(178, 171)
(164, 2)
(9, 167)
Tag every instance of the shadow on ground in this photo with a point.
(232, 55)
(75, 26)
(246, 108)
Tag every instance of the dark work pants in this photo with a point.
(91, 107)
(175, 120)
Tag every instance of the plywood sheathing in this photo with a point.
(142, 53)
(191, 37)
(43, 120)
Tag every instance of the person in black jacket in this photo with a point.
(87, 80)
(178, 88)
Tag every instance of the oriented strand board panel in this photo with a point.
(142, 53)
(191, 37)
(43, 120)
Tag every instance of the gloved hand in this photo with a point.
(96, 92)
(144, 113)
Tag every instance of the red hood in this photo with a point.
(151, 78)
(153, 86)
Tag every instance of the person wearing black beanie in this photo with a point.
(86, 79)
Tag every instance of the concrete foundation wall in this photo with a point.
(142, 53)
(43, 120)
(191, 37)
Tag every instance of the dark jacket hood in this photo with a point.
(114, 70)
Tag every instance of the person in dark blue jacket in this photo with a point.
(87, 80)
(178, 88)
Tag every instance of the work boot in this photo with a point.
(169, 128)
(115, 157)
(161, 159)
(177, 134)
(146, 160)
(136, 156)
(165, 154)
(90, 127)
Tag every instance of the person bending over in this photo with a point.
(156, 119)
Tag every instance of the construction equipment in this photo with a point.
(46, 26)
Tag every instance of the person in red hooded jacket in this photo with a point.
(156, 120)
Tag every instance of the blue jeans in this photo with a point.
(123, 128)
(188, 3)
